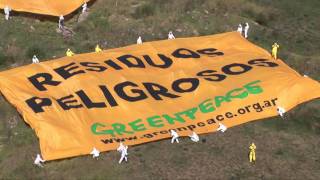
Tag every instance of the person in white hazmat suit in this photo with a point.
(7, 10)
(170, 35)
(246, 29)
(174, 136)
(38, 161)
(194, 137)
(124, 152)
(239, 29)
(35, 59)
(121, 146)
(221, 128)
(95, 153)
(281, 111)
(84, 7)
(61, 22)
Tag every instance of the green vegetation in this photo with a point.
(286, 149)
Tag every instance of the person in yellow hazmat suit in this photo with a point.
(69, 53)
(274, 50)
(98, 49)
(252, 153)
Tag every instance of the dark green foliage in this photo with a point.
(144, 11)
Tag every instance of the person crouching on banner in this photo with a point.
(252, 153)
(221, 128)
(95, 153)
(281, 111)
(7, 10)
(194, 137)
(174, 136)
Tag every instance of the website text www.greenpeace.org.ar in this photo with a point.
(160, 121)
(252, 108)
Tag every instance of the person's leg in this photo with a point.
(121, 159)
(250, 156)
(254, 156)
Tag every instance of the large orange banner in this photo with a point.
(136, 94)
(47, 7)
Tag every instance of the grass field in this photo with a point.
(285, 149)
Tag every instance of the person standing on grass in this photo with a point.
(281, 111)
(61, 22)
(84, 7)
(35, 59)
(239, 29)
(252, 153)
(274, 51)
(246, 29)
(124, 153)
(139, 40)
(174, 136)
(7, 10)
(170, 35)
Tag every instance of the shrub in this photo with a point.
(35, 50)
(144, 11)
(3, 58)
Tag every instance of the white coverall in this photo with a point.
(174, 136)
(222, 127)
(38, 161)
(139, 40)
(35, 59)
(194, 137)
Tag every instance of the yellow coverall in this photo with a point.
(98, 49)
(69, 53)
(252, 154)
(274, 51)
